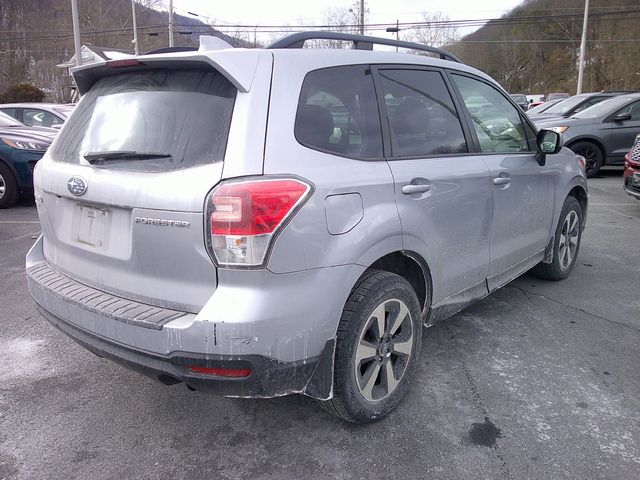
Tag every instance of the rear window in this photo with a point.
(183, 116)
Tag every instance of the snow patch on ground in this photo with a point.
(22, 358)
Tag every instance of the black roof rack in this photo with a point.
(360, 42)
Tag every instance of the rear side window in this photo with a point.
(182, 115)
(338, 113)
(422, 116)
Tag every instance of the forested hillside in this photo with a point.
(36, 35)
(535, 49)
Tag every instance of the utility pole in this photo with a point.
(135, 27)
(171, 23)
(583, 46)
(361, 17)
(76, 32)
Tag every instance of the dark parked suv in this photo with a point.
(570, 106)
(603, 133)
(521, 100)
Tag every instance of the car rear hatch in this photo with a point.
(120, 194)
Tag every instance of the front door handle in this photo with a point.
(409, 189)
(501, 181)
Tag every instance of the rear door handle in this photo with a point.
(409, 189)
(501, 181)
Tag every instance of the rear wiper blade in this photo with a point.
(99, 157)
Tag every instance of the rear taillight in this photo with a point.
(582, 162)
(243, 218)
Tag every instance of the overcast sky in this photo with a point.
(294, 12)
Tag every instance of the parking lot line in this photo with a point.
(591, 204)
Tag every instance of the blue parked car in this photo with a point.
(20, 149)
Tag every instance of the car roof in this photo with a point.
(629, 96)
(239, 64)
(32, 104)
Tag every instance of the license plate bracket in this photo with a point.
(91, 224)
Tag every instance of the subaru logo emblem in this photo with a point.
(77, 186)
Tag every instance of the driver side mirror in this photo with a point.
(548, 143)
(621, 117)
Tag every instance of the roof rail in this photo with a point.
(360, 42)
(171, 50)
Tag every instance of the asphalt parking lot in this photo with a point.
(539, 381)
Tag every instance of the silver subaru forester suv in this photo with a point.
(265, 222)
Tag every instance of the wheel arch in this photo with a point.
(580, 194)
(414, 269)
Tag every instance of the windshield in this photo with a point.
(519, 98)
(184, 114)
(566, 105)
(543, 107)
(9, 121)
(603, 108)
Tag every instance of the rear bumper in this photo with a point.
(268, 378)
(281, 327)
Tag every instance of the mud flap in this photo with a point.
(320, 385)
(548, 253)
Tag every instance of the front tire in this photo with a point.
(378, 345)
(566, 243)
(8, 187)
(593, 156)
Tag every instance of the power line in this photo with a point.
(532, 19)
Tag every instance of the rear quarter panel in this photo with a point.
(306, 242)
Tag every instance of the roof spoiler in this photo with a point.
(238, 69)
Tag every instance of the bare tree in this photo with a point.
(344, 20)
(435, 31)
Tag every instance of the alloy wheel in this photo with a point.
(568, 239)
(590, 156)
(3, 186)
(384, 347)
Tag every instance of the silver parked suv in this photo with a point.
(257, 223)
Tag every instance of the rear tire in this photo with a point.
(592, 154)
(566, 243)
(8, 187)
(377, 348)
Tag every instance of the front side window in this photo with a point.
(338, 113)
(422, 116)
(495, 119)
(633, 109)
(152, 120)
